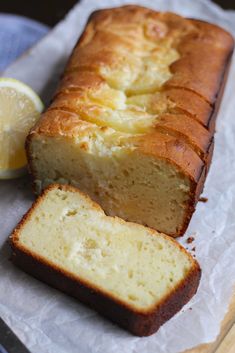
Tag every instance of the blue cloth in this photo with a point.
(17, 34)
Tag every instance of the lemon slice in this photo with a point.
(20, 107)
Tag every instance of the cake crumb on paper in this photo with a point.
(203, 199)
(190, 240)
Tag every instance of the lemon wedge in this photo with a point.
(20, 107)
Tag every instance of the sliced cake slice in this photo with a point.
(133, 275)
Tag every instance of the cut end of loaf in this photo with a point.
(120, 266)
(126, 180)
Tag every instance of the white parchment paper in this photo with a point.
(49, 321)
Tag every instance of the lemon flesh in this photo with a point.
(20, 107)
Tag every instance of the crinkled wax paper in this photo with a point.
(49, 321)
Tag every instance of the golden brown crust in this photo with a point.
(197, 74)
(60, 123)
(190, 104)
(188, 130)
(80, 81)
(204, 55)
(204, 48)
(139, 322)
(191, 95)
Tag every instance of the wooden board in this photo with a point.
(225, 342)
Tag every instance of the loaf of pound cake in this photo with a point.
(132, 120)
(131, 274)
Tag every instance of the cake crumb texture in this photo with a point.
(65, 235)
